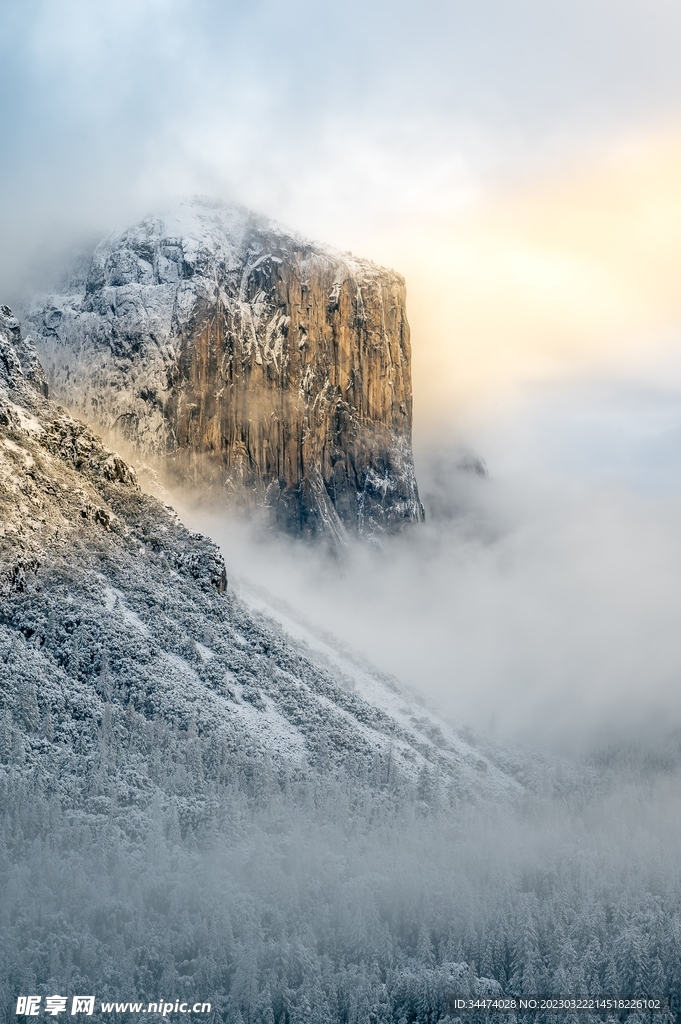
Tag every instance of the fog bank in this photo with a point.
(539, 603)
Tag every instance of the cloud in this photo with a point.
(416, 134)
(540, 603)
(338, 119)
(574, 268)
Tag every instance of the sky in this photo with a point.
(519, 161)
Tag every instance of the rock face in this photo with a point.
(246, 359)
(19, 363)
(105, 595)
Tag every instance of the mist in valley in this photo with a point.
(537, 609)
(519, 164)
(539, 601)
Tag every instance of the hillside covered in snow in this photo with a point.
(200, 802)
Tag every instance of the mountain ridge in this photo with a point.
(104, 586)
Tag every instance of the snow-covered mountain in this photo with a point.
(247, 359)
(108, 600)
(203, 799)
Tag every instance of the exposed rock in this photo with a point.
(469, 462)
(104, 591)
(19, 362)
(245, 358)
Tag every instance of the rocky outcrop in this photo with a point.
(105, 594)
(20, 367)
(246, 359)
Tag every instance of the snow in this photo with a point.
(114, 599)
(27, 422)
(385, 694)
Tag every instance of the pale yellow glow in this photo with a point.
(560, 273)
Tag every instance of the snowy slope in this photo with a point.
(109, 601)
(417, 727)
(201, 796)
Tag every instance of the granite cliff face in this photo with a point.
(247, 359)
(106, 597)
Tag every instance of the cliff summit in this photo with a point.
(246, 359)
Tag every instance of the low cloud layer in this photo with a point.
(538, 604)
